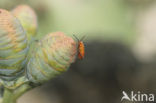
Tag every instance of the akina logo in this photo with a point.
(138, 96)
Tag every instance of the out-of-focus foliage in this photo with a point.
(139, 2)
(100, 19)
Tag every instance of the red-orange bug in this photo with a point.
(81, 47)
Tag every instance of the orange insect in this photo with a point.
(81, 47)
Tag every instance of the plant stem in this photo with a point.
(10, 96)
(21, 90)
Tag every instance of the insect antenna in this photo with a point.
(76, 38)
(82, 38)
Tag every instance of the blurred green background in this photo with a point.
(101, 19)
